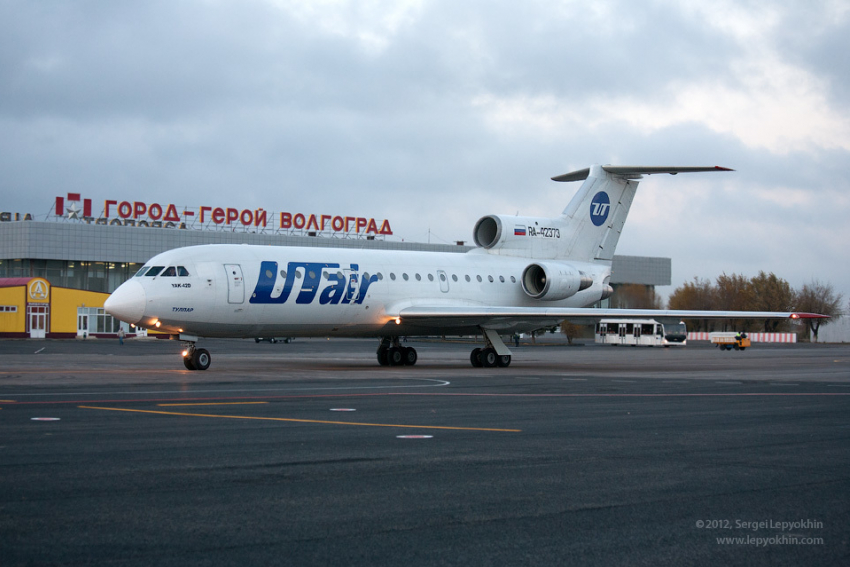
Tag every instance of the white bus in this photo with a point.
(640, 332)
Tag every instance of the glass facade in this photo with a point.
(92, 276)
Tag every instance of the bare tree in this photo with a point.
(819, 297)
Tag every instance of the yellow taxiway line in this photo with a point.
(304, 420)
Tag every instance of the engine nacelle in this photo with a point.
(552, 281)
(503, 232)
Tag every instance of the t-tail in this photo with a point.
(589, 228)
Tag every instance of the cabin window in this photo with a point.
(405, 276)
(502, 279)
(513, 279)
(283, 274)
(154, 271)
(431, 277)
(269, 274)
(454, 277)
(418, 278)
(468, 278)
(478, 278)
(170, 272)
(490, 278)
(442, 277)
(182, 271)
(299, 274)
(392, 276)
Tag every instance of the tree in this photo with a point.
(771, 293)
(819, 297)
(635, 296)
(696, 295)
(571, 330)
(734, 293)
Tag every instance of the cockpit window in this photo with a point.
(142, 271)
(170, 271)
(154, 271)
(182, 272)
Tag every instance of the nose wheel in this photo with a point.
(196, 358)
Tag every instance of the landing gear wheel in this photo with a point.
(489, 357)
(409, 355)
(187, 362)
(503, 361)
(383, 359)
(395, 357)
(475, 358)
(201, 359)
(257, 340)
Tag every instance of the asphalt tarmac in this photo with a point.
(311, 454)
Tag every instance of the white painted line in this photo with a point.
(439, 383)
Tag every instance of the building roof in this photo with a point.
(14, 282)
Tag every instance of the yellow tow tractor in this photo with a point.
(729, 341)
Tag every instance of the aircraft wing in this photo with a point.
(502, 317)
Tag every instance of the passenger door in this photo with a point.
(235, 283)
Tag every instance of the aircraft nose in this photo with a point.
(127, 303)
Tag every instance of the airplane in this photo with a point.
(526, 273)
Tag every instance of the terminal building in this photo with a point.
(56, 274)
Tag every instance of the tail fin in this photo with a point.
(598, 211)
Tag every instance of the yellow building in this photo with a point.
(32, 308)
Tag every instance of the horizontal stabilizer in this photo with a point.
(637, 171)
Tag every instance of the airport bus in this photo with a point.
(641, 332)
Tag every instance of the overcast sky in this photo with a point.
(432, 114)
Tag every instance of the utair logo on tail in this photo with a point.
(342, 283)
(599, 207)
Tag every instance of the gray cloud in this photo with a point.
(437, 113)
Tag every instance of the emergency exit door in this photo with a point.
(235, 283)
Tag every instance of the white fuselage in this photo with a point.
(266, 291)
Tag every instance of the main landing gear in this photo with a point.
(488, 358)
(495, 353)
(196, 358)
(391, 353)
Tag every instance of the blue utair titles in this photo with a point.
(340, 289)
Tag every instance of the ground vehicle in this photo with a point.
(729, 341)
(640, 332)
(272, 339)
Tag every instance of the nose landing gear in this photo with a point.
(196, 358)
